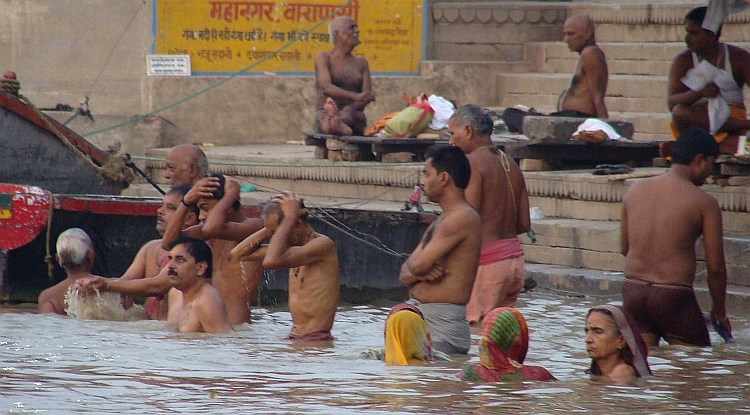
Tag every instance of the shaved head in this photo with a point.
(186, 164)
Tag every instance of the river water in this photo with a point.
(59, 365)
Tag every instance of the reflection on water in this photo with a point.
(61, 365)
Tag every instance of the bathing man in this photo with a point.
(222, 226)
(585, 96)
(342, 82)
(312, 261)
(186, 164)
(75, 253)
(440, 271)
(194, 304)
(497, 191)
(147, 275)
(659, 246)
(691, 102)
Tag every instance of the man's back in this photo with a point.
(502, 199)
(663, 218)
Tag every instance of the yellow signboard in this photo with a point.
(284, 36)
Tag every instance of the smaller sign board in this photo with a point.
(169, 65)
(6, 210)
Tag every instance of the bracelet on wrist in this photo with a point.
(185, 203)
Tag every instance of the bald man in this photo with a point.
(585, 96)
(342, 82)
(186, 164)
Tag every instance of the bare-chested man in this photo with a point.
(662, 218)
(342, 82)
(194, 304)
(585, 96)
(312, 261)
(497, 191)
(146, 275)
(440, 271)
(75, 253)
(223, 226)
(730, 68)
(186, 164)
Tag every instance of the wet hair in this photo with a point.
(625, 353)
(198, 249)
(697, 15)
(182, 191)
(691, 142)
(219, 192)
(272, 207)
(452, 160)
(476, 117)
(72, 247)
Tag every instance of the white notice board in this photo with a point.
(168, 65)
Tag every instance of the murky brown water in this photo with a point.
(51, 364)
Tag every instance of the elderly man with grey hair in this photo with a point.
(497, 191)
(342, 82)
(75, 254)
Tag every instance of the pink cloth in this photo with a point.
(499, 278)
(500, 250)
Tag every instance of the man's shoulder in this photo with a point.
(737, 53)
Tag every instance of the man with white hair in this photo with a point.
(186, 164)
(75, 253)
(342, 82)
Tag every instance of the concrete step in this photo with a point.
(623, 58)
(608, 286)
(595, 244)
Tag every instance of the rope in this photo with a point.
(10, 86)
(223, 81)
(48, 255)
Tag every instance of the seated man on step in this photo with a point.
(342, 82)
(706, 84)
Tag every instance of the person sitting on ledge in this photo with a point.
(584, 98)
(718, 105)
(342, 83)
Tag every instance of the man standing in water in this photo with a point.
(75, 253)
(194, 304)
(440, 271)
(146, 275)
(662, 218)
(497, 191)
(222, 226)
(342, 82)
(186, 164)
(312, 261)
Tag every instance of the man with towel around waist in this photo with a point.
(498, 192)
(706, 84)
(440, 271)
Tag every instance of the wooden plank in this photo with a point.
(555, 149)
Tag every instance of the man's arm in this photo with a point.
(447, 235)
(523, 223)
(716, 270)
(278, 256)
(594, 64)
(153, 286)
(473, 191)
(137, 268)
(44, 303)
(249, 245)
(218, 225)
(212, 314)
(325, 83)
(366, 96)
(203, 188)
(677, 92)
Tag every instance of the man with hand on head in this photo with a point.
(312, 261)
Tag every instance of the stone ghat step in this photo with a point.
(608, 286)
(623, 58)
(596, 245)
